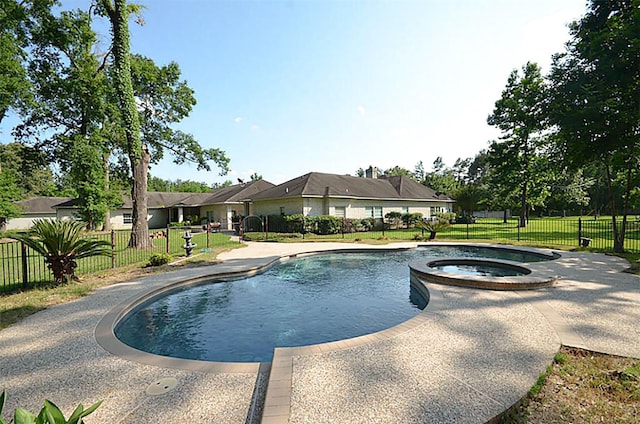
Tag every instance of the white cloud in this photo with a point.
(238, 119)
(361, 110)
(255, 127)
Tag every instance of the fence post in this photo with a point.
(168, 250)
(579, 231)
(113, 249)
(25, 268)
(342, 229)
(467, 230)
(518, 229)
(208, 233)
(303, 227)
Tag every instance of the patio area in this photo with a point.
(469, 356)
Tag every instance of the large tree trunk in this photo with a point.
(140, 229)
(138, 156)
(107, 216)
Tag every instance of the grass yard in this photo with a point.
(583, 387)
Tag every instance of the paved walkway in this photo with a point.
(469, 356)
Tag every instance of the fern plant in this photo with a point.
(433, 226)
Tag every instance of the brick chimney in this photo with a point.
(371, 172)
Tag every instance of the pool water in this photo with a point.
(299, 302)
(481, 270)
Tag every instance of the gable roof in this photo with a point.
(317, 184)
(238, 192)
(42, 204)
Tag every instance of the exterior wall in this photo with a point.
(25, 222)
(354, 208)
(272, 207)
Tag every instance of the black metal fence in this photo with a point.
(550, 231)
(23, 268)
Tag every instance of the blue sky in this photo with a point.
(289, 87)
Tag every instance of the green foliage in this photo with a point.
(393, 218)
(49, 414)
(159, 259)
(9, 193)
(181, 186)
(62, 243)
(520, 115)
(410, 219)
(595, 99)
(433, 227)
(446, 216)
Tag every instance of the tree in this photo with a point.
(154, 113)
(595, 100)
(9, 193)
(520, 115)
(255, 177)
(441, 179)
(31, 168)
(397, 171)
(62, 244)
(138, 154)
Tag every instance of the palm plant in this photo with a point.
(62, 244)
(433, 226)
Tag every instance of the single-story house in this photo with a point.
(316, 194)
(219, 205)
(34, 208)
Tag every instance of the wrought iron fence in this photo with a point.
(23, 268)
(551, 231)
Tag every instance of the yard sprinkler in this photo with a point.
(188, 246)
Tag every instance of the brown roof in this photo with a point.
(238, 192)
(42, 204)
(316, 184)
(165, 199)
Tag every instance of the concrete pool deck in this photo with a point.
(469, 356)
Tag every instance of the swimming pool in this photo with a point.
(299, 302)
(303, 301)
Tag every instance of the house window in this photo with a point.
(373, 212)
(127, 218)
(341, 212)
(405, 210)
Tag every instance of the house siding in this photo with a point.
(354, 208)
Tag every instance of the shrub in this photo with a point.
(159, 259)
(180, 224)
(393, 218)
(49, 414)
(446, 216)
(410, 219)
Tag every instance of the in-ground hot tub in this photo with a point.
(480, 273)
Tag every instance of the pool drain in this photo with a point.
(161, 386)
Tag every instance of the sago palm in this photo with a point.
(433, 226)
(62, 244)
